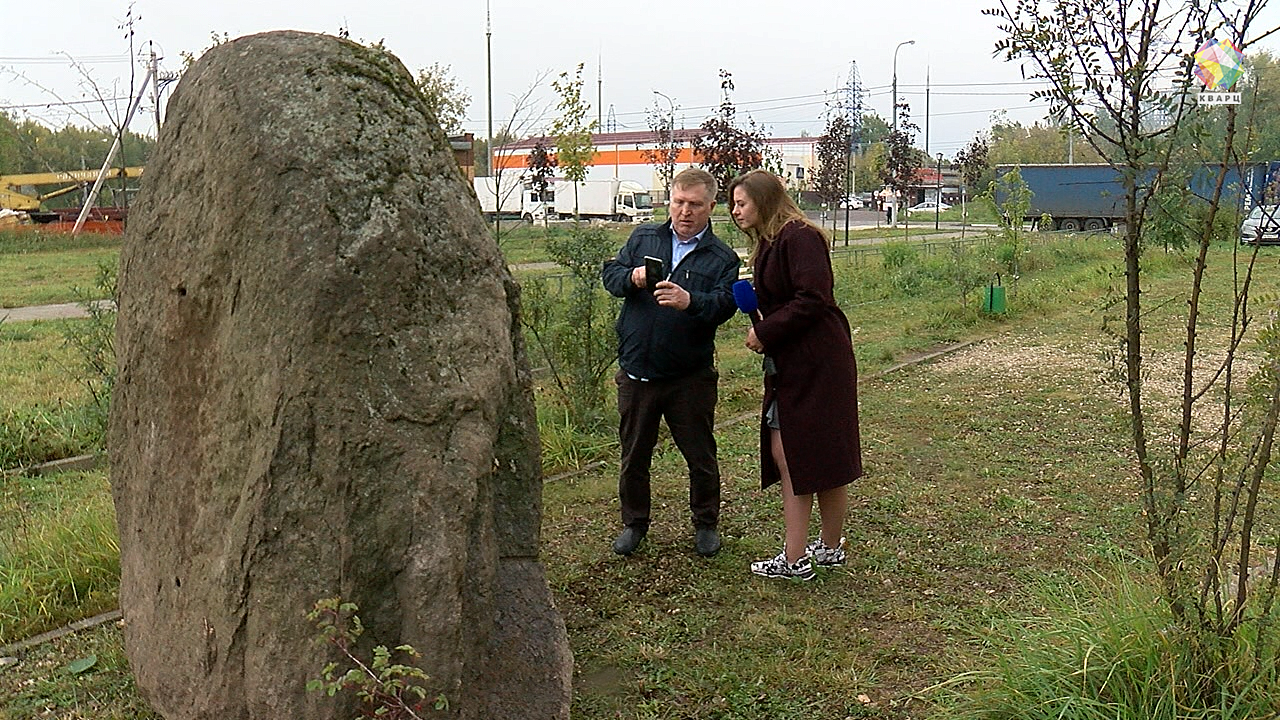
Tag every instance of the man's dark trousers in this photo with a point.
(688, 404)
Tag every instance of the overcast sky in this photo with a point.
(787, 57)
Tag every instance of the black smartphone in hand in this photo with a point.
(654, 271)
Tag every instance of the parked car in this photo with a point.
(928, 206)
(1262, 225)
(852, 202)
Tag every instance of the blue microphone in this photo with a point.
(745, 297)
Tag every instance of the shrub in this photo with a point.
(897, 255)
(388, 690)
(572, 327)
(94, 340)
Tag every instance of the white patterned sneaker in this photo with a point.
(778, 567)
(824, 556)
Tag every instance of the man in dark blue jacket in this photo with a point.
(666, 352)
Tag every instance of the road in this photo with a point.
(43, 312)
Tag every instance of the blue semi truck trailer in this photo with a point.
(1091, 197)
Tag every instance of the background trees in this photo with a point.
(724, 149)
(665, 150)
(1012, 142)
(975, 165)
(28, 146)
(447, 100)
(572, 131)
(831, 177)
(542, 166)
(902, 159)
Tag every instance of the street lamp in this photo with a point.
(668, 161)
(895, 81)
(937, 205)
(670, 103)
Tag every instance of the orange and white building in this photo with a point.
(622, 156)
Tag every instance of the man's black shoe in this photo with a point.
(628, 540)
(707, 542)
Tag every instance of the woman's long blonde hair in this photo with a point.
(775, 206)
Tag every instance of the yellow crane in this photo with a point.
(18, 192)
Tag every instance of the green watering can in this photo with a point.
(993, 296)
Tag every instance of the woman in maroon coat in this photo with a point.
(809, 419)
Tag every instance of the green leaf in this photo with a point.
(82, 665)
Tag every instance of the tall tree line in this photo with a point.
(26, 146)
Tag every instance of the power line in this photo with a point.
(63, 103)
(62, 59)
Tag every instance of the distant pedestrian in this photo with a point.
(809, 435)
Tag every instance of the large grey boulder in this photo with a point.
(322, 391)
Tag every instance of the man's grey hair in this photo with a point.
(692, 177)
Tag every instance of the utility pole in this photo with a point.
(937, 205)
(926, 110)
(111, 154)
(155, 83)
(488, 60)
(851, 104)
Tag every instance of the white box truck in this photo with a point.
(514, 199)
(617, 200)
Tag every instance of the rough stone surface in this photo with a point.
(322, 392)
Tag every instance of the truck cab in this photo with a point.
(634, 205)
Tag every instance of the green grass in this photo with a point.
(29, 436)
(39, 268)
(59, 558)
(999, 479)
(45, 411)
(1103, 649)
(36, 364)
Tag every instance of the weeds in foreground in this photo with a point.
(573, 333)
(33, 435)
(385, 689)
(1109, 650)
(93, 341)
(57, 428)
(59, 557)
(565, 446)
(44, 685)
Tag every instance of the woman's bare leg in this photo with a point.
(796, 509)
(832, 506)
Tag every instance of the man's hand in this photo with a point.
(669, 294)
(638, 277)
